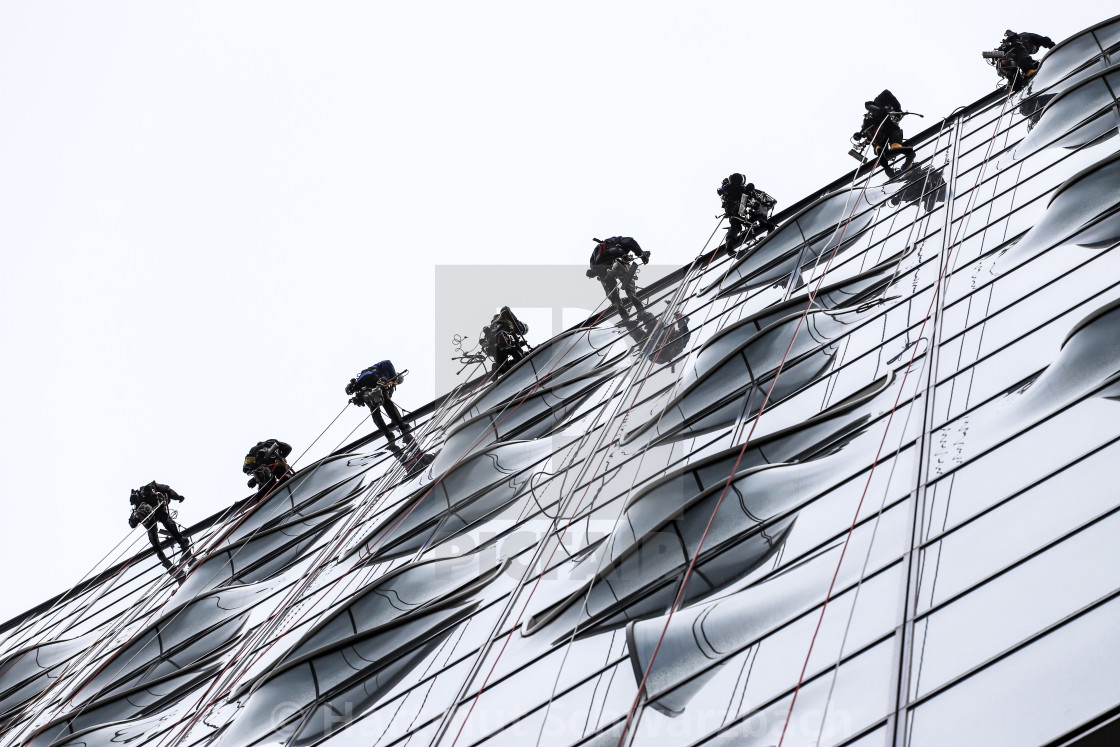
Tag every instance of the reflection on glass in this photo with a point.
(735, 370)
(802, 239)
(162, 694)
(532, 417)
(563, 359)
(259, 557)
(704, 636)
(1083, 213)
(25, 673)
(922, 183)
(481, 484)
(350, 659)
(1079, 115)
(1082, 656)
(1087, 363)
(181, 639)
(1067, 57)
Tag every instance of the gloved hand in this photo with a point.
(350, 386)
(645, 258)
(252, 482)
(355, 401)
(590, 273)
(857, 135)
(181, 498)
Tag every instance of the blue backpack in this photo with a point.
(379, 371)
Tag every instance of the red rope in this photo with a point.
(217, 539)
(735, 467)
(283, 608)
(571, 518)
(388, 530)
(890, 418)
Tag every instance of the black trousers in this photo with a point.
(734, 228)
(1015, 67)
(376, 400)
(161, 516)
(269, 475)
(505, 359)
(611, 286)
(889, 132)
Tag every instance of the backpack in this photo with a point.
(385, 369)
(375, 374)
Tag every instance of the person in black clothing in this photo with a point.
(149, 507)
(503, 340)
(373, 388)
(744, 205)
(1017, 66)
(879, 127)
(612, 265)
(267, 463)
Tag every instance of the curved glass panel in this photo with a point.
(531, 418)
(1078, 116)
(26, 673)
(1082, 213)
(1064, 59)
(562, 359)
(178, 640)
(1088, 362)
(491, 478)
(816, 231)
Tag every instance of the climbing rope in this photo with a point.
(554, 362)
(742, 451)
(138, 611)
(890, 418)
(539, 551)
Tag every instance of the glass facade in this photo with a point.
(883, 516)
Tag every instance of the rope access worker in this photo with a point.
(373, 388)
(880, 123)
(266, 463)
(504, 340)
(743, 204)
(612, 266)
(1016, 64)
(149, 507)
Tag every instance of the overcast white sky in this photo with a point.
(213, 214)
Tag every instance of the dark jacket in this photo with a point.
(877, 122)
(731, 196)
(616, 247)
(879, 109)
(504, 331)
(265, 453)
(154, 495)
(379, 373)
(1028, 42)
(731, 193)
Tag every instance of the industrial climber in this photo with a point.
(504, 340)
(1012, 58)
(613, 266)
(744, 206)
(880, 122)
(373, 388)
(149, 507)
(266, 463)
